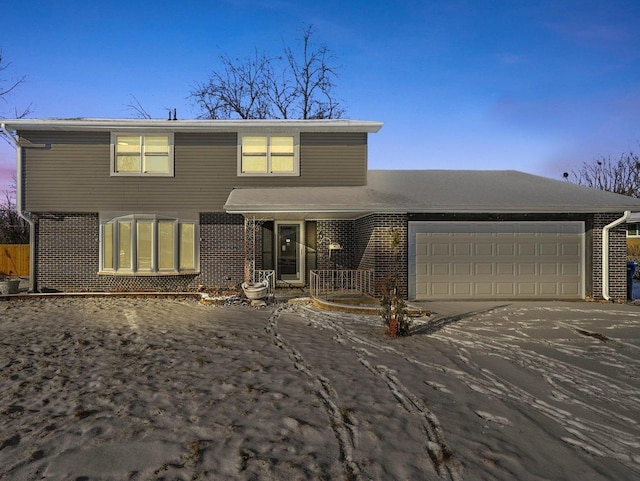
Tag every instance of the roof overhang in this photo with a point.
(301, 214)
(431, 192)
(97, 125)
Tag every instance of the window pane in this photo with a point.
(128, 144)
(187, 246)
(158, 145)
(254, 163)
(144, 252)
(282, 145)
(282, 163)
(124, 244)
(127, 163)
(156, 163)
(254, 145)
(136, 154)
(165, 245)
(107, 246)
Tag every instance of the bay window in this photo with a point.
(148, 244)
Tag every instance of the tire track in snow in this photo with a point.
(342, 423)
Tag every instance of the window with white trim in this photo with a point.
(141, 154)
(633, 230)
(146, 244)
(268, 155)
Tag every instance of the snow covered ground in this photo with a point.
(138, 389)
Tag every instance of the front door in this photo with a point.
(290, 252)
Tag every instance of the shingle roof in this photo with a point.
(434, 191)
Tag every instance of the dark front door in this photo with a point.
(289, 252)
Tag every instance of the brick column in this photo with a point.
(374, 234)
(222, 248)
(617, 257)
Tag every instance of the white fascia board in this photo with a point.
(242, 209)
(328, 125)
(314, 209)
(522, 210)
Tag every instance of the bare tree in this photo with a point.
(297, 84)
(239, 90)
(313, 80)
(8, 86)
(139, 112)
(137, 109)
(621, 176)
(13, 228)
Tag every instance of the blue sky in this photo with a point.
(537, 86)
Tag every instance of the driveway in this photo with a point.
(454, 308)
(561, 371)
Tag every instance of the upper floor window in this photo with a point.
(144, 154)
(268, 155)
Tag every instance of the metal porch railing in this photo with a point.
(268, 275)
(327, 283)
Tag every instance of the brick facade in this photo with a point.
(366, 244)
(617, 257)
(373, 239)
(222, 249)
(67, 256)
(337, 232)
(67, 253)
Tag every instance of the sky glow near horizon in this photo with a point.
(536, 86)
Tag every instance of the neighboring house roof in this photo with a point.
(84, 125)
(432, 191)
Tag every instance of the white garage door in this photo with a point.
(471, 260)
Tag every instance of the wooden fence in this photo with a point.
(14, 259)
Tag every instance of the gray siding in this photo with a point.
(333, 159)
(67, 171)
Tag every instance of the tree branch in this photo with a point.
(296, 85)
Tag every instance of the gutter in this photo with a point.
(232, 125)
(8, 137)
(605, 252)
(19, 203)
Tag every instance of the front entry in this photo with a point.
(290, 252)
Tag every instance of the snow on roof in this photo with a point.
(435, 191)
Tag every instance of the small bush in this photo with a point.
(393, 310)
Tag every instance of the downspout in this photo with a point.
(19, 204)
(605, 253)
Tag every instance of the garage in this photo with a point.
(489, 260)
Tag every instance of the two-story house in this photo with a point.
(122, 205)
